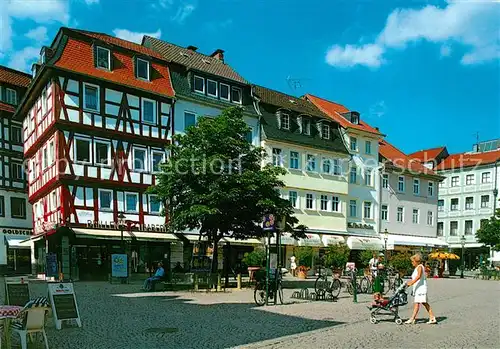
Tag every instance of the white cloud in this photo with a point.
(38, 34)
(474, 25)
(134, 36)
(445, 51)
(22, 60)
(369, 55)
(183, 12)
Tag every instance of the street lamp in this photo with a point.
(462, 242)
(386, 237)
(121, 223)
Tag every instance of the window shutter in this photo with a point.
(278, 119)
(134, 59)
(318, 128)
(94, 51)
(300, 125)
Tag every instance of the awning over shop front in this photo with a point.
(312, 240)
(329, 240)
(234, 241)
(407, 240)
(364, 243)
(286, 239)
(16, 242)
(116, 235)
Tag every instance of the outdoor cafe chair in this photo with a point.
(32, 320)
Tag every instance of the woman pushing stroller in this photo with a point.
(419, 283)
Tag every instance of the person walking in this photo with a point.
(293, 264)
(419, 283)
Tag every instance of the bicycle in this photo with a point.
(323, 285)
(350, 283)
(275, 290)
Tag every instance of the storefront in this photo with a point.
(408, 243)
(365, 243)
(15, 252)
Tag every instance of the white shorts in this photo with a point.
(420, 295)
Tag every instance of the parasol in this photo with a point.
(443, 255)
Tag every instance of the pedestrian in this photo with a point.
(293, 264)
(160, 273)
(419, 283)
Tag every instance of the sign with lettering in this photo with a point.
(63, 300)
(268, 224)
(17, 291)
(16, 231)
(359, 225)
(116, 226)
(119, 265)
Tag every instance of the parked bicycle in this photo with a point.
(327, 284)
(275, 289)
(389, 280)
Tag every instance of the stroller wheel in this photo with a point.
(398, 321)
(373, 320)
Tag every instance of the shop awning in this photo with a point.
(286, 239)
(116, 235)
(16, 242)
(420, 241)
(365, 243)
(312, 240)
(329, 240)
(234, 241)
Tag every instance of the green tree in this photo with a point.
(489, 233)
(214, 182)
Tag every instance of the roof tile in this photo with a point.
(14, 77)
(401, 160)
(427, 154)
(456, 161)
(7, 107)
(283, 100)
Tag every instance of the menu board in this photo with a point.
(63, 302)
(17, 293)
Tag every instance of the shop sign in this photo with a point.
(268, 224)
(16, 231)
(311, 240)
(359, 226)
(116, 226)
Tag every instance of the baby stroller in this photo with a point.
(390, 306)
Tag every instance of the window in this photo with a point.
(131, 202)
(285, 121)
(103, 58)
(10, 96)
(224, 91)
(309, 201)
(91, 97)
(368, 147)
(51, 157)
(307, 126)
(18, 208)
(367, 210)
(142, 69)
(400, 214)
(16, 170)
(368, 177)
(148, 111)
(337, 169)
(199, 84)
(45, 158)
(325, 131)
(102, 153)
(326, 166)
(249, 136)
(324, 202)
(469, 203)
(139, 156)
(293, 198)
(335, 204)
(354, 144)
(294, 160)
(430, 218)
(454, 204)
(353, 175)
(352, 208)
(440, 230)
(54, 200)
(236, 95)
(32, 170)
(157, 157)
(415, 216)
(430, 189)
(16, 134)
(440, 205)
(401, 184)
(468, 228)
(82, 150)
(455, 181)
(486, 177)
(442, 184)
(354, 118)
(384, 213)
(416, 186)
(44, 101)
(154, 204)
(469, 179)
(211, 88)
(105, 199)
(311, 163)
(385, 181)
(277, 157)
(189, 120)
(453, 228)
(485, 201)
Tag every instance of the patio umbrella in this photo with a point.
(443, 255)
(453, 256)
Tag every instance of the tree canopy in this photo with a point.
(489, 233)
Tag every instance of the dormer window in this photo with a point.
(236, 95)
(285, 121)
(211, 88)
(43, 56)
(325, 131)
(142, 69)
(199, 84)
(34, 69)
(103, 56)
(354, 118)
(307, 126)
(224, 91)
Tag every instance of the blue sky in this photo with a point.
(426, 72)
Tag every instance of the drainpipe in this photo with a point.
(495, 190)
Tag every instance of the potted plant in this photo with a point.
(402, 263)
(254, 260)
(304, 255)
(336, 257)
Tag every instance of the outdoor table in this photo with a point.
(7, 313)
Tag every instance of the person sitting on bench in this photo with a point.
(160, 273)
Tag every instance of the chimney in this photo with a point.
(218, 54)
(376, 128)
(192, 48)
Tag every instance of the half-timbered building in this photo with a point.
(96, 121)
(15, 211)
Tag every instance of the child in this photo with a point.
(379, 300)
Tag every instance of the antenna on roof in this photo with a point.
(294, 83)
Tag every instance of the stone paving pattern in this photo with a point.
(121, 317)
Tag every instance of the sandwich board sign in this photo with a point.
(63, 300)
(17, 291)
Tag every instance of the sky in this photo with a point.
(427, 73)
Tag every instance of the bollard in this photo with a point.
(195, 282)
(355, 288)
(219, 283)
(238, 281)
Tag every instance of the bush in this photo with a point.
(255, 258)
(336, 256)
(304, 254)
(401, 262)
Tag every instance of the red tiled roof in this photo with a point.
(401, 160)
(333, 110)
(468, 159)
(14, 77)
(78, 56)
(427, 154)
(7, 107)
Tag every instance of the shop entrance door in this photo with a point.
(93, 262)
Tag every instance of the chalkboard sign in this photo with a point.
(65, 306)
(17, 294)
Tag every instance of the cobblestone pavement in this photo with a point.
(121, 317)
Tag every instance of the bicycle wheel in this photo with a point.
(349, 287)
(259, 294)
(280, 293)
(321, 284)
(365, 285)
(397, 282)
(336, 286)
